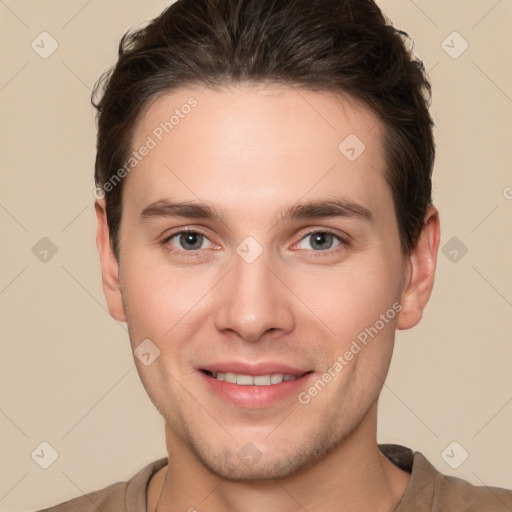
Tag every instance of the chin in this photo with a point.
(257, 461)
(263, 469)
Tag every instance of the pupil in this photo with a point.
(191, 239)
(321, 238)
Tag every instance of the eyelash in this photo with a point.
(190, 254)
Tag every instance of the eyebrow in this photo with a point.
(307, 210)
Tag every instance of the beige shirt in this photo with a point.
(428, 490)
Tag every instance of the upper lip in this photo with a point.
(263, 368)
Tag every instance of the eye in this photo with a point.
(187, 241)
(321, 241)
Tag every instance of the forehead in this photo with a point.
(252, 146)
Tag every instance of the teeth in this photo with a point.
(244, 380)
(277, 378)
(249, 380)
(263, 380)
(230, 377)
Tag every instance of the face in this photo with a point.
(283, 257)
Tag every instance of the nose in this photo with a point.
(254, 300)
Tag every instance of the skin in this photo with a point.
(251, 152)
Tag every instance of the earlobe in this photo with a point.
(109, 264)
(421, 266)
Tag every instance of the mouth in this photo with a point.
(255, 386)
(269, 379)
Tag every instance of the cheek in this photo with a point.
(360, 306)
(157, 296)
(352, 297)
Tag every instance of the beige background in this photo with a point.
(67, 374)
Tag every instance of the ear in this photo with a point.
(109, 264)
(421, 266)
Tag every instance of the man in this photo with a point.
(265, 224)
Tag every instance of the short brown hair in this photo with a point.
(321, 45)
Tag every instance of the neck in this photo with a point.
(353, 476)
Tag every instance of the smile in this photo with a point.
(256, 388)
(250, 380)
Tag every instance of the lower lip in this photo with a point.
(256, 397)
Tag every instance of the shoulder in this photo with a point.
(430, 490)
(125, 496)
(453, 493)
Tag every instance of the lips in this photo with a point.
(255, 386)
